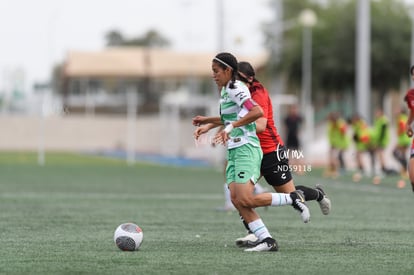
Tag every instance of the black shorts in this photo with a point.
(275, 167)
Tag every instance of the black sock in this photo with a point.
(311, 194)
(246, 225)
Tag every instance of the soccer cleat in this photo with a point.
(268, 244)
(325, 202)
(249, 240)
(298, 202)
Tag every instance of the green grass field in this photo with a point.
(60, 219)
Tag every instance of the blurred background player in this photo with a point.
(292, 122)
(403, 142)
(362, 137)
(338, 143)
(409, 99)
(381, 139)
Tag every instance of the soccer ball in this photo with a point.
(128, 237)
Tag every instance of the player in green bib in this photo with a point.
(403, 142)
(238, 113)
(339, 142)
(381, 139)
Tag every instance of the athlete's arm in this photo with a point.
(261, 124)
(250, 112)
(254, 112)
(262, 99)
(203, 129)
(201, 120)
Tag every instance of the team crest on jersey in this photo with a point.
(225, 98)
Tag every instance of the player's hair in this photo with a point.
(247, 69)
(412, 70)
(225, 60)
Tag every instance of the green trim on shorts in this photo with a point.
(243, 164)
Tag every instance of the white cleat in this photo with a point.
(266, 245)
(325, 203)
(249, 240)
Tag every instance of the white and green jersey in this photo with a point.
(231, 109)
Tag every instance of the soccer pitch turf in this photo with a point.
(60, 219)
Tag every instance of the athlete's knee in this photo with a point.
(245, 201)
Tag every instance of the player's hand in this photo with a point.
(221, 138)
(218, 140)
(199, 131)
(199, 120)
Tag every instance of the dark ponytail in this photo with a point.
(247, 69)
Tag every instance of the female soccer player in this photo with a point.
(275, 166)
(409, 99)
(238, 113)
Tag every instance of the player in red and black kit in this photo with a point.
(275, 163)
(409, 99)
